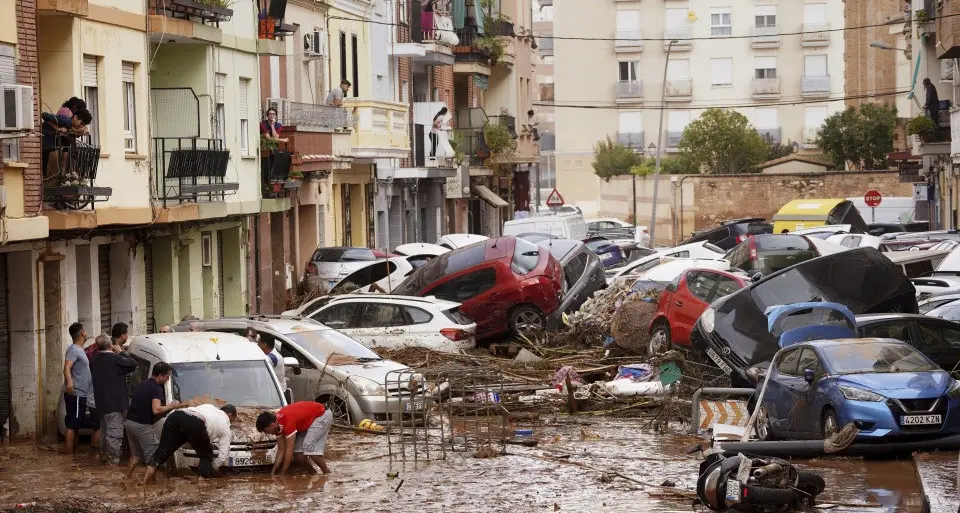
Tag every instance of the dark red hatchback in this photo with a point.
(504, 284)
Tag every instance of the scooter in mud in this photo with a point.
(755, 485)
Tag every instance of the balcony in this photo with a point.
(548, 142)
(381, 129)
(682, 37)
(948, 40)
(629, 41)
(70, 172)
(423, 113)
(313, 149)
(275, 172)
(815, 85)
(528, 151)
(629, 90)
(771, 135)
(632, 140)
(545, 44)
(673, 140)
(810, 136)
(815, 35)
(767, 88)
(186, 21)
(191, 170)
(309, 115)
(433, 39)
(679, 90)
(765, 37)
(470, 56)
(468, 136)
(63, 7)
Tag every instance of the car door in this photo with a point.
(300, 384)
(480, 299)
(941, 344)
(380, 325)
(775, 398)
(896, 329)
(339, 316)
(805, 413)
(690, 300)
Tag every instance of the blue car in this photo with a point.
(611, 255)
(885, 387)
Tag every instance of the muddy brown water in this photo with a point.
(525, 480)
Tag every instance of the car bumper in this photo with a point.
(236, 459)
(878, 420)
(393, 410)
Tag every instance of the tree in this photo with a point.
(668, 166)
(722, 141)
(611, 159)
(777, 150)
(858, 139)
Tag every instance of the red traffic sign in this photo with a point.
(554, 199)
(873, 198)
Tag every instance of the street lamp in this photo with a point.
(652, 149)
(887, 46)
(656, 173)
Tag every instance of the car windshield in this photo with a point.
(783, 242)
(323, 344)
(240, 383)
(443, 265)
(343, 255)
(526, 256)
(811, 317)
(876, 357)
(950, 312)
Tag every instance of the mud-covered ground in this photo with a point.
(549, 477)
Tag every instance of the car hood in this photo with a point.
(901, 385)
(376, 371)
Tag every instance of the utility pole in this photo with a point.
(656, 173)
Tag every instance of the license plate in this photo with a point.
(920, 420)
(411, 406)
(332, 283)
(247, 462)
(733, 490)
(720, 363)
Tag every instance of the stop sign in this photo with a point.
(872, 198)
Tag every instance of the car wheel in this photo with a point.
(341, 414)
(659, 339)
(764, 430)
(526, 319)
(829, 425)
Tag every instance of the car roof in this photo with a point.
(560, 248)
(282, 325)
(201, 346)
(849, 341)
(442, 304)
(880, 317)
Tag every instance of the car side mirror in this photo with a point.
(808, 375)
(292, 362)
(288, 395)
(756, 275)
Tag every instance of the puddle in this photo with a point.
(525, 480)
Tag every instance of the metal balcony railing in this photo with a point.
(815, 84)
(816, 34)
(629, 89)
(70, 169)
(679, 88)
(772, 135)
(765, 36)
(629, 39)
(681, 34)
(275, 165)
(469, 48)
(632, 140)
(766, 87)
(673, 138)
(193, 10)
(472, 145)
(190, 169)
(506, 121)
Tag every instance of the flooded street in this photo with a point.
(542, 478)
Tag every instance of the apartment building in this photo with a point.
(713, 55)
(870, 74)
(544, 95)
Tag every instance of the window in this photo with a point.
(678, 69)
(815, 14)
(726, 287)
(382, 315)
(355, 87)
(815, 65)
(765, 117)
(339, 316)
(677, 120)
(631, 122)
(851, 241)
(243, 112)
(721, 72)
(544, 14)
(467, 286)
(575, 269)
(628, 71)
(418, 316)
(788, 362)
(343, 56)
(814, 116)
(287, 351)
(548, 60)
(526, 256)
(765, 67)
(129, 108)
(808, 360)
(720, 22)
(91, 95)
(765, 16)
(628, 20)
(897, 331)
(220, 123)
(677, 17)
(701, 284)
(8, 75)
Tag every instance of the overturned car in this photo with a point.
(734, 331)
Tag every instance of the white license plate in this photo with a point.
(415, 405)
(720, 363)
(920, 420)
(733, 490)
(247, 462)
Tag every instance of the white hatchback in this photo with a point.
(389, 321)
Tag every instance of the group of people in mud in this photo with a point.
(95, 382)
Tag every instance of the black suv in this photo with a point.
(732, 232)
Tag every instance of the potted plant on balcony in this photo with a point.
(500, 141)
(494, 45)
(219, 10)
(923, 127)
(456, 142)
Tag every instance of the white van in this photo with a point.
(215, 367)
(915, 264)
(892, 209)
(564, 226)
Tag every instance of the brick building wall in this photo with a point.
(870, 72)
(28, 73)
(441, 77)
(405, 73)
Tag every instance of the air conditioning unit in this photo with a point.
(315, 44)
(16, 107)
(282, 105)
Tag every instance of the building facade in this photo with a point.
(544, 97)
(709, 55)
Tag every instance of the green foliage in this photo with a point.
(216, 3)
(860, 138)
(611, 159)
(456, 143)
(295, 175)
(268, 144)
(491, 41)
(920, 17)
(499, 140)
(668, 166)
(723, 142)
(922, 126)
(777, 150)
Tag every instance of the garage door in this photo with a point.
(103, 263)
(148, 279)
(4, 343)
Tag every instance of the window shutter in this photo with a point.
(127, 72)
(242, 101)
(89, 71)
(766, 10)
(8, 66)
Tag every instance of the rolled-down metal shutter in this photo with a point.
(4, 342)
(148, 281)
(220, 271)
(103, 264)
(127, 72)
(89, 71)
(8, 65)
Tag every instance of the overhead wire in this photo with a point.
(755, 103)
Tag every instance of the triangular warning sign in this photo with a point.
(554, 199)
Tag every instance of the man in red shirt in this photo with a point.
(301, 427)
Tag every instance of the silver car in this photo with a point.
(333, 369)
(327, 266)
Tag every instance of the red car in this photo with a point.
(504, 284)
(682, 302)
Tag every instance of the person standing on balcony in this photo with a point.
(335, 98)
(55, 127)
(71, 106)
(438, 134)
(933, 102)
(270, 128)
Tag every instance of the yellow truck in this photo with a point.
(810, 213)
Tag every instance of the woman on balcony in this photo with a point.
(270, 128)
(439, 134)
